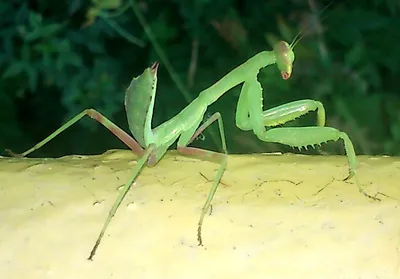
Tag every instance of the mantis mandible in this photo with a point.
(151, 144)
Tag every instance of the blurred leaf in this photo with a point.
(354, 55)
(14, 69)
(284, 29)
(163, 31)
(98, 6)
(232, 31)
(107, 4)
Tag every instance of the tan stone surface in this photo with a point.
(270, 218)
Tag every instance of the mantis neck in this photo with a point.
(242, 73)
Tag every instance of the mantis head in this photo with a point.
(284, 56)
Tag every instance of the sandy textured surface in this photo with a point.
(274, 216)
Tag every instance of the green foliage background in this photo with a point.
(58, 58)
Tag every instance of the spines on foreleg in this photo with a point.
(301, 137)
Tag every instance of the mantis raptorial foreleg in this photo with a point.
(290, 111)
(251, 117)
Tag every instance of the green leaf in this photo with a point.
(284, 29)
(32, 78)
(14, 69)
(107, 4)
(355, 55)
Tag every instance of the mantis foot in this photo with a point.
(351, 174)
(369, 196)
(12, 154)
(199, 239)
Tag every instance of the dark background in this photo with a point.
(60, 57)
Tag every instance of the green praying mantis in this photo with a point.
(151, 144)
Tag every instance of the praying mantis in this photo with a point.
(151, 144)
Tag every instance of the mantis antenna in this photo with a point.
(300, 35)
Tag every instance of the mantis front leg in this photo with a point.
(250, 116)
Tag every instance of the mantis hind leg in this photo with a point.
(124, 137)
(118, 132)
(208, 155)
(256, 119)
(149, 151)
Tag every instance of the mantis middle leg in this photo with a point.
(250, 116)
(209, 155)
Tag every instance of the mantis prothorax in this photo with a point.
(151, 144)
